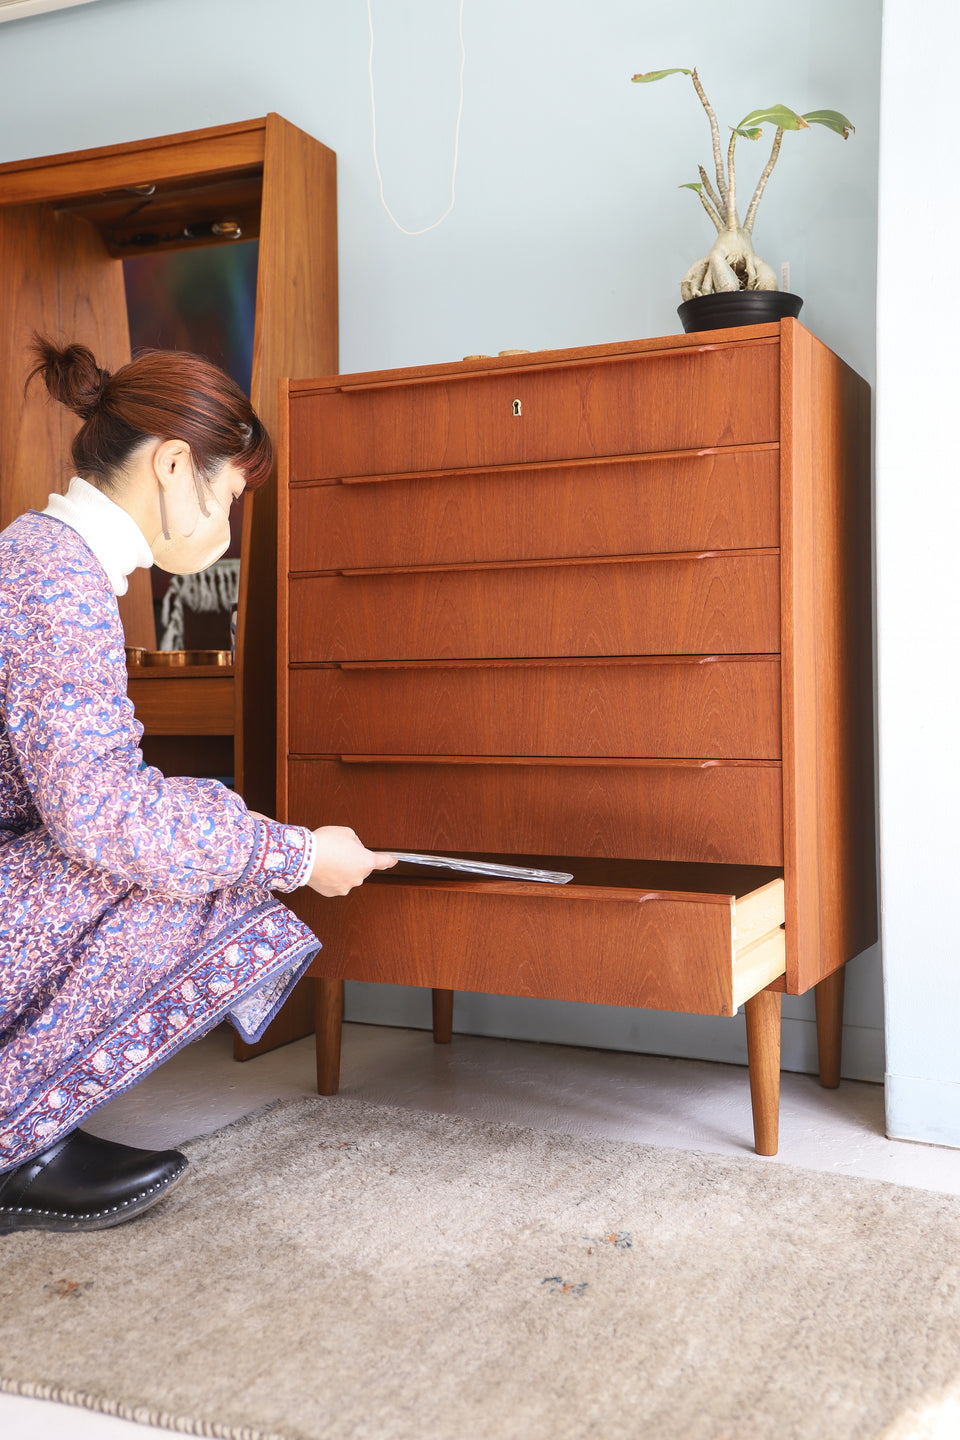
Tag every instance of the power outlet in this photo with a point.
(785, 275)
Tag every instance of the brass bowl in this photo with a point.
(177, 659)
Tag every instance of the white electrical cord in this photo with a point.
(456, 142)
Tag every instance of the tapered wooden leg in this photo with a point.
(442, 1017)
(763, 1053)
(329, 1029)
(828, 996)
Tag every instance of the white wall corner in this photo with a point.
(918, 518)
(926, 1110)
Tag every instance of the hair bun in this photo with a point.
(71, 375)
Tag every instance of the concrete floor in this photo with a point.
(683, 1104)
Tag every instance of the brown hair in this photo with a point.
(167, 394)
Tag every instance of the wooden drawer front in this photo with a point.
(705, 709)
(183, 704)
(654, 949)
(720, 501)
(680, 399)
(729, 814)
(729, 604)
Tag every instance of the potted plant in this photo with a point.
(731, 284)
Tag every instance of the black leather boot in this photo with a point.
(82, 1183)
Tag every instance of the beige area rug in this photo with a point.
(332, 1269)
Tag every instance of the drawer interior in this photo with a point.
(698, 938)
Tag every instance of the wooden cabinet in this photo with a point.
(67, 222)
(608, 608)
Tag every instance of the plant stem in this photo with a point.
(714, 197)
(732, 221)
(715, 133)
(714, 216)
(762, 182)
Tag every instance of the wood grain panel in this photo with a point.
(729, 604)
(185, 704)
(718, 813)
(56, 279)
(657, 949)
(708, 709)
(680, 399)
(296, 277)
(93, 312)
(31, 445)
(830, 845)
(221, 148)
(281, 659)
(296, 333)
(725, 500)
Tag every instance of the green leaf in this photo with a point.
(750, 134)
(692, 186)
(780, 115)
(657, 75)
(833, 120)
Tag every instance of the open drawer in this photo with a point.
(690, 937)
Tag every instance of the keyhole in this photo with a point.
(516, 407)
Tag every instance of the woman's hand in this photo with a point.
(342, 861)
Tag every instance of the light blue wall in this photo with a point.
(918, 520)
(568, 229)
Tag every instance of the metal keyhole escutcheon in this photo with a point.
(516, 407)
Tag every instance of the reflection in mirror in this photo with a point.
(202, 300)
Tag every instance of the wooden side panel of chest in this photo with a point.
(827, 666)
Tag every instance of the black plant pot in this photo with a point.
(729, 308)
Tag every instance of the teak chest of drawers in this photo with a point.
(605, 607)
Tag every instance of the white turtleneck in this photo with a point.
(114, 536)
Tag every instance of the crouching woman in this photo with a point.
(135, 910)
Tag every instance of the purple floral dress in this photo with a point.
(135, 911)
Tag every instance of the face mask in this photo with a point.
(209, 538)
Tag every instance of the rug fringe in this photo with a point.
(139, 1414)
